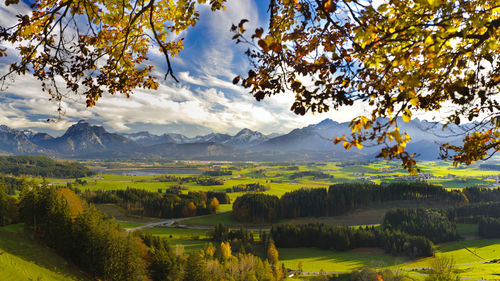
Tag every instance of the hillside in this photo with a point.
(22, 258)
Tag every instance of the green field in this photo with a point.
(315, 260)
(22, 258)
(190, 239)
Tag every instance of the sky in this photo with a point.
(204, 101)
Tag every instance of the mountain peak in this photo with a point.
(246, 131)
(325, 122)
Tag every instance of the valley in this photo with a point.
(471, 254)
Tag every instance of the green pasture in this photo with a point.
(126, 224)
(467, 256)
(190, 239)
(224, 218)
(315, 260)
(22, 258)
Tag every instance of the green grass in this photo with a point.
(482, 250)
(224, 218)
(22, 258)
(315, 260)
(190, 239)
(126, 224)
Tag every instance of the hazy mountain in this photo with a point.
(83, 138)
(16, 142)
(190, 150)
(213, 137)
(246, 137)
(40, 138)
(313, 142)
(147, 139)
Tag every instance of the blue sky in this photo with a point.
(205, 100)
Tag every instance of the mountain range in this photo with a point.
(83, 140)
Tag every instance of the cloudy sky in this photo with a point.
(204, 100)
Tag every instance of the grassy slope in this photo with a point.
(21, 258)
(332, 261)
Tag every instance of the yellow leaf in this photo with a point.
(359, 145)
(407, 115)
(414, 101)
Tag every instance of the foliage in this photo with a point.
(155, 204)
(272, 253)
(398, 57)
(314, 174)
(442, 270)
(339, 199)
(9, 212)
(42, 166)
(256, 207)
(249, 187)
(97, 245)
(342, 238)
(431, 224)
(205, 265)
(102, 46)
(489, 227)
(218, 173)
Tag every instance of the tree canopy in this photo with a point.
(399, 57)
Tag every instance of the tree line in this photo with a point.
(342, 238)
(489, 227)
(249, 187)
(339, 199)
(41, 166)
(167, 205)
(432, 224)
(203, 180)
(218, 173)
(314, 174)
(87, 238)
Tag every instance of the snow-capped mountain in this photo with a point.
(246, 137)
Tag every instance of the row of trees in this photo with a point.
(475, 194)
(201, 180)
(218, 173)
(153, 204)
(41, 166)
(339, 199)
(342, 238)
(249, 187)
(431, 224)
(473, 212)
(314, 174)
(256, 208)
(489, 227)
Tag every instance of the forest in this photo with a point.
(342, 238)
(167, 205)
(42, 166)
(339, 199)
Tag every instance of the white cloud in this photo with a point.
(206, 97)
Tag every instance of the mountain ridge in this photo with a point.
(313, 142)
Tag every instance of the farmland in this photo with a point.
(192, 234)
